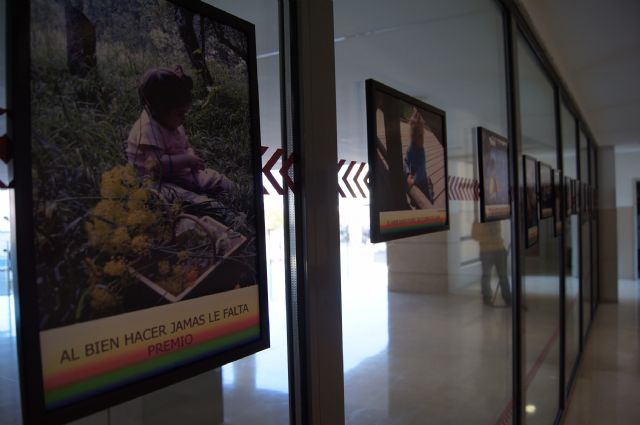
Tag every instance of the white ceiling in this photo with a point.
(595, 45)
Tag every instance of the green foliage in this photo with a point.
(80, 127)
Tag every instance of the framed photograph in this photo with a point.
(558, 219)
(408, 164)
(493, 162)
(141, 259)
(546, 189)
(530, 168)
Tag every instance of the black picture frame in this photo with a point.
(546, 190)
(530, 185)
(493, 166)
(558, 221)
(399, 209)
(34, 408)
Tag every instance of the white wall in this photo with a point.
(627, 164)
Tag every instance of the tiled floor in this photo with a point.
(409, 359)
(608, 383)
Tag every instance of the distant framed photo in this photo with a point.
(558, 220)
(546, 190)
(408, 164)
(531, 200)
(493, 162)
(142, 258)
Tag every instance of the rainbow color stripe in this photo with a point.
(412, 224)
(124, 367)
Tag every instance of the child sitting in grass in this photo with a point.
(157, 145)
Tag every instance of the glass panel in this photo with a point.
(572, 273)
(586, 241)
(540, 264)
(255, 389)
(419, 343)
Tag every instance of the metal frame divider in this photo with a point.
(562, 242)
(513, 118)
(580, 274)
(311, 213)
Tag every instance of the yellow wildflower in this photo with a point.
(117, 182)
(120, 239)
(111, 210)
(115, 268)
(101, 299)
(183, 255)
(138, 199)
(164, 267)
(99, 232)
(143, 218)
(94, 273)
(140, 244)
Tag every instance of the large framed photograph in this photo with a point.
(493, 161)
(408, 162)
(558, 220)
(141, 259)
(546, 192)
(530, 168)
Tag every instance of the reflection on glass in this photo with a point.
(585, 247)
(420, 345)
(540, 263)
(571, 271)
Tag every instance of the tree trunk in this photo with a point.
(184, 21)
(81, 39)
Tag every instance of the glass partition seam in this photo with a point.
(561, 243)
(315, 278)
(298, 387)
(513, 119)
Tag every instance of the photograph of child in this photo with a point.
(158, 146)
(156, 201)
(407, 152)
(495, 197)
(546, 190)
(531, 199)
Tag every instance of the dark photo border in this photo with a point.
(29, 351)
(482, 135)
(395, 173)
